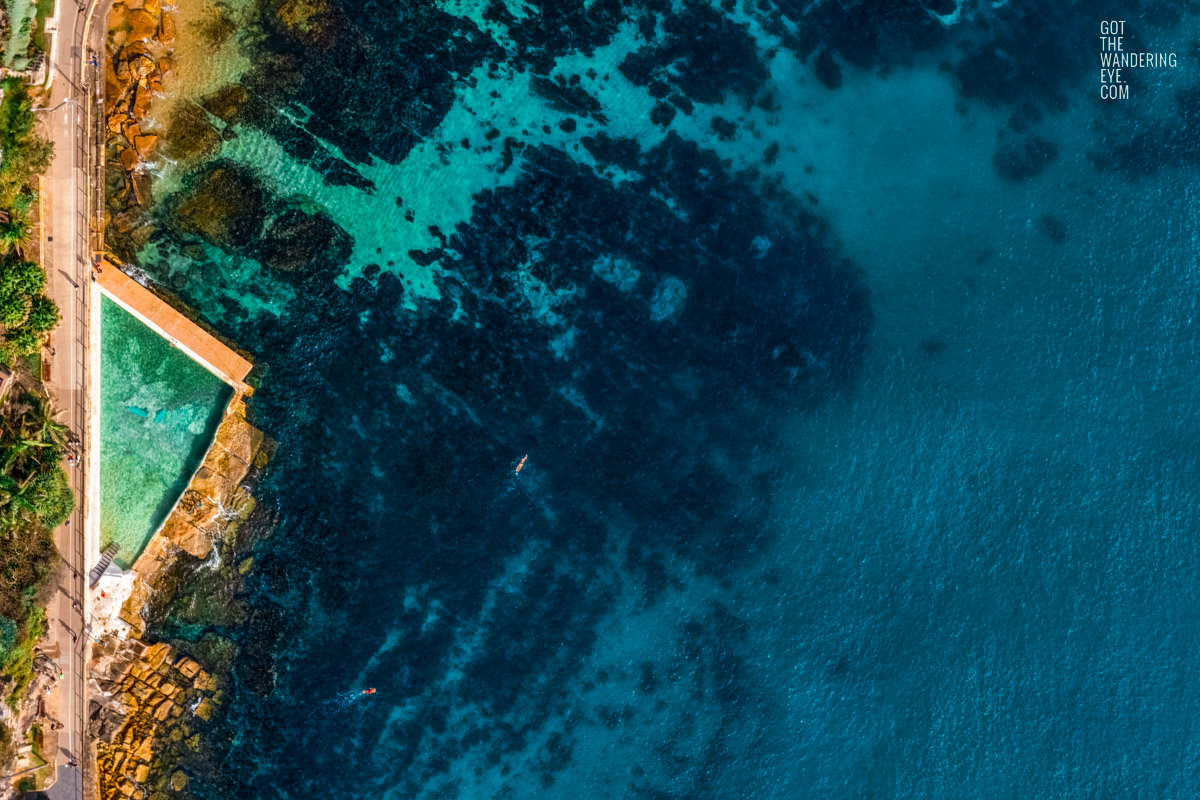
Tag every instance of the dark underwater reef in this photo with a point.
(642, 341)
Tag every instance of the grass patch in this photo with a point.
(45, 8)
(33, 362)
(19, 663)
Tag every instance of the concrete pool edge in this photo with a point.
(213, 488)
(203, 348)
(91, 514)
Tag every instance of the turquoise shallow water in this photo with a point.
(853, 354)
(159, 410)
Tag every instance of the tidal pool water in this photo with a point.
(159, 410)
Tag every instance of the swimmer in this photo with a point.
(521, 465)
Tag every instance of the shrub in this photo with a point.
(43, 315)
(26, 154)
(14, 307)
(24, 277)
(26, 342)
(8, 637)
(52, 498)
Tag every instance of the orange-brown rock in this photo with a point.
(181, 532)
(118, 16)
(131, 611)
(205, 710)
(216, 486)
(166, 34)
(142, 25)
(188, 668)
(142, 67)
(156, 655)
(141, 103)
(136, 50)
(239, 437)
(163, 710)
(145, 144)
(145, 750)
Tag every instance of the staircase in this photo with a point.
(106, 558)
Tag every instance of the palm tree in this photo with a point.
(15, 233)
(15, 504)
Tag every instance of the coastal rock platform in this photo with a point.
(157, 698)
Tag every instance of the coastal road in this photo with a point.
(70, 201)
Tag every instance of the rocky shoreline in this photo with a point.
(140, 38)
(155, 691)
(151, 702)
(161, 663)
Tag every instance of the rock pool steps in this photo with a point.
(106, 558)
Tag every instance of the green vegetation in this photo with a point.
(26, 153)
(35, 498)
(45, 8)
(35, 494)
(18, 669)
(26, 314)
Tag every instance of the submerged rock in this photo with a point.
(1024, 159)
(225, 206)
(226, 102)
(313, 22)
(190, 135)
(297, 241)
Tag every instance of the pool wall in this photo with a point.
(213, 490)
(204, 348)
(159, 412)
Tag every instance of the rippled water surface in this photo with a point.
(852, 349)
(159, 410)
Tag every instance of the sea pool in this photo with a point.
(159, 410)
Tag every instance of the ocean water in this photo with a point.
(159, 410)
(847, 351)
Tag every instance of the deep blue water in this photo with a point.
(853, 351)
